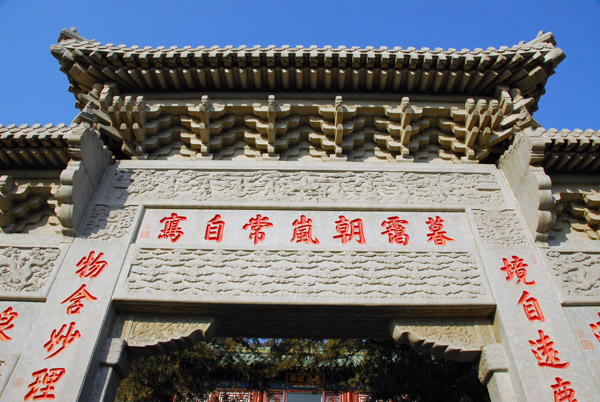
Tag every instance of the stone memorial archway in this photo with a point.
(299, 193)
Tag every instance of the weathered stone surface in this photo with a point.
(109, 223)
(577, 274)
(147, 335)
(27, 271)
(456, 339)
(528, 181)
(306, 275)
(408, 188)
(499, 228)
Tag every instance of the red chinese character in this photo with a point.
(563, 391)
(595, 329)
(303, 231)
(516, 267)
(172, 230)
(6, 319)
(437, 234)
(91, 267)
(545, 354)
(214, 229)
(256, 225)
(76, 298)
(57, 338)
(44, 383)
(348, 229)
(395, 230)
(531, 307)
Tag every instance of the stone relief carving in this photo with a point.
(109, 223)
(300, 274)
(499, 228)
(150, 335)
(460, 340)
(578, 273)
(411, 188)
(26, 269)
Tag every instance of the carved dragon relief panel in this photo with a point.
(499, 228)
(26, 271)
(355, 276)
(412, 188)
(577, 274)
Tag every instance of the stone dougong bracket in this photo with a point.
(404, 125)
(583, 208)
(340, 136)
(25, 205)
(481, 125)
(272, 123)
(207, 128)
(138, 126)
(126, 124)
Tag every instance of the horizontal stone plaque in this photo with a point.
(309, 230)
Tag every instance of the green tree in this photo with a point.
(381, 368)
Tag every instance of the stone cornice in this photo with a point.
(34, 146)
(567, 151)
(478, 72)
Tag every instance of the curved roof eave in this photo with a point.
(478, 72)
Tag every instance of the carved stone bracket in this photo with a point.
(210, 130)
(140, 127)
(26, 204)
(273, 124)
(156, 335)
(404, 126)
(339, 130)
(460, 340)
(583, 210)
(482, 125)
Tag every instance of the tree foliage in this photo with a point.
(381, 368)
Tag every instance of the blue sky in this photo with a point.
(33, 90)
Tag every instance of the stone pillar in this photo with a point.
(59, 357)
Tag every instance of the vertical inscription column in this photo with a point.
(58, 361)
(545, 362)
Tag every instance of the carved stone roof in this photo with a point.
(36, 146)
(478, 72)
(567, 151)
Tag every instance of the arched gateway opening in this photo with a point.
(299, 193)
